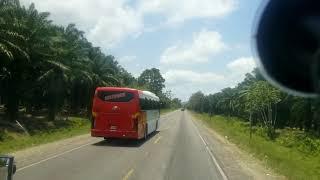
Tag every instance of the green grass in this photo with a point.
(165, 111)
(293, 154)
(13, 141)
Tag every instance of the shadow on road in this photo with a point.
(125, 142)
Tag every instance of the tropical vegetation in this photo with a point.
(280, 129)
(51, 71)
(255, 100)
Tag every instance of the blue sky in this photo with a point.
(197, 44)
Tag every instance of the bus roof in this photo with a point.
(116, 89)
(148, 95)
(142, 94)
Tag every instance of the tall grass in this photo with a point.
(12, 141)
(293, 153)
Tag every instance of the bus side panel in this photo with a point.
(152, 119)
(142, 125)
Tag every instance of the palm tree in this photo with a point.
(45, 65)
(100, 72)
(64, 67)
(228, 101)
(12, 42)
(13, 53)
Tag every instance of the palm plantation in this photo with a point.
(254, 98)
(49, 68)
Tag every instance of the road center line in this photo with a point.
(52, 157)
(127, 176)
(224, 176)
(157, 140)
(147, 153)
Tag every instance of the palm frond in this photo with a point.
(6, 8)
(108, 70)
(104, 83)
(4, 50)
(86, 75)
(46, 75)
(58, 65)
(11, 34)
(111, 79)
(21, 51)
(44, 15)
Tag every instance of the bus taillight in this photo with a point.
(94, 114)
(135, 124)
(135, 119)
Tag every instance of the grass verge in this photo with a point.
(16, 141)
(293, 154)
(165, 111)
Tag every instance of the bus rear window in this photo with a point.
(115, 96)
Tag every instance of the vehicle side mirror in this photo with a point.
(287, 41)
(7, 167)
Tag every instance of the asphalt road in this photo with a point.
(176, 151)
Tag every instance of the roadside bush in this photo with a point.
(3, 135)
(303, 142)
(309, 145)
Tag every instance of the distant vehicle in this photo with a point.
(182, 109)
(124, 113)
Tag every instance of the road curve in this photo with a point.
(176, 151)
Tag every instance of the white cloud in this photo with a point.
(106, 22)
(241, 65)
(184, 82)
(238, 68)
(180, 10)
(115, 26)
(127, 59)
(205, 44)
(176, 76)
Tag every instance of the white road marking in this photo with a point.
(52, 157)
(224, 176)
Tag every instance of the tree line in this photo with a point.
(52, 68)
(255, 100)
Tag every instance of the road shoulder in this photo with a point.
(35, 154)
(236, 163)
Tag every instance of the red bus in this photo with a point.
(124, 113)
